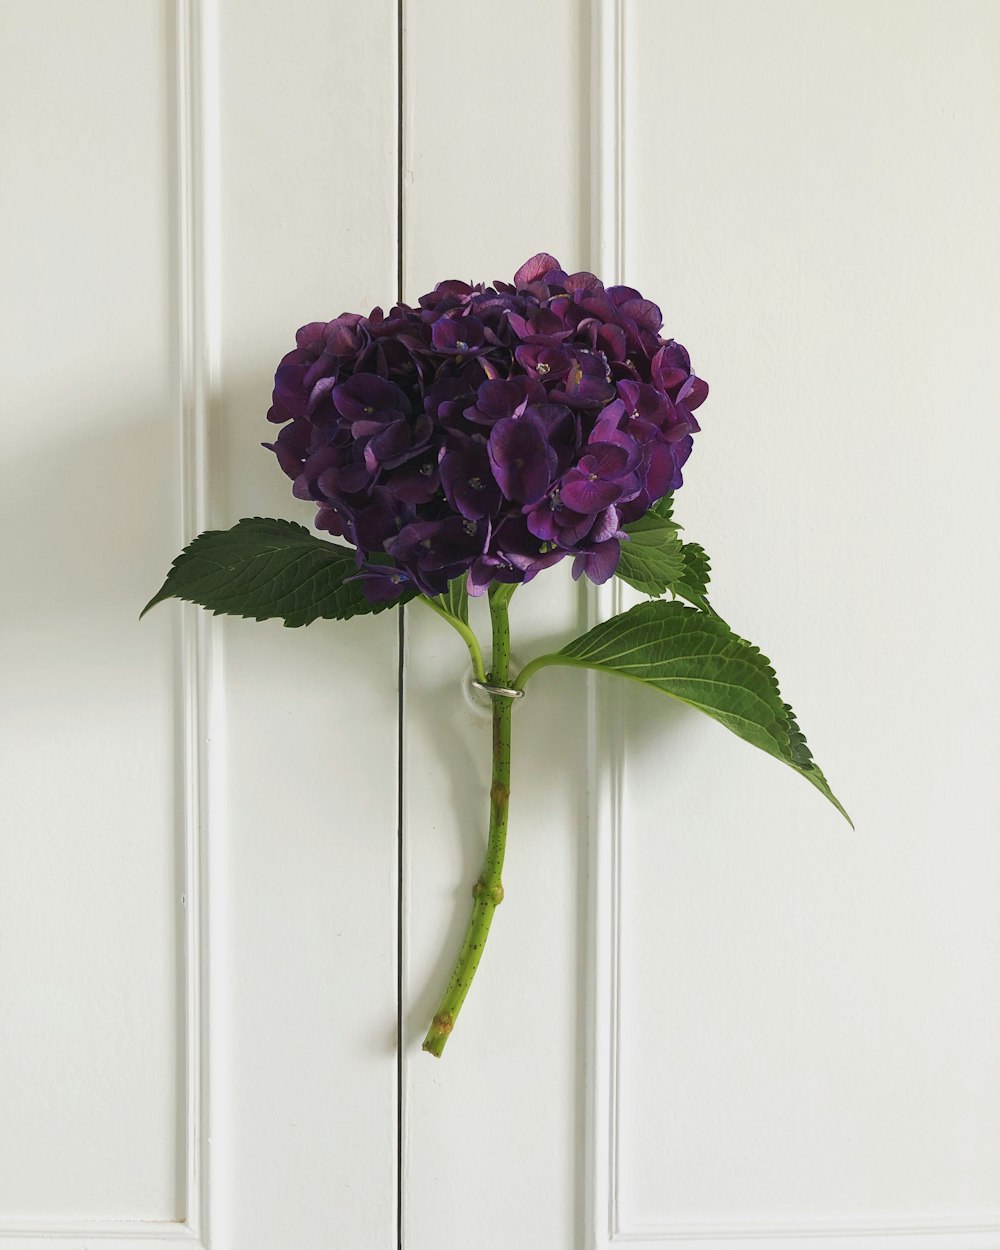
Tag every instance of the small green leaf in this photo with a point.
(655, 561)
(696, 569)
(696, 658)
(455, 599)
(265, 568)
(664, 508)
(652, 559)
(692, 585)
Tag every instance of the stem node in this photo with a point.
(499, 794)
(492, 890)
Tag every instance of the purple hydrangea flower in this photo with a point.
(490, 430)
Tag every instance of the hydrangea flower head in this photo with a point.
(491, 431)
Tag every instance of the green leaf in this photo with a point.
(692, 585)
(264, 568)
(697, 569)
(655, 560)
(652, 559)
(455, 599)
(696, 658)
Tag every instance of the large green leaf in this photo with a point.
(695, 657)
(264, 568)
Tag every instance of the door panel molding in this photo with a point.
(607, 1223)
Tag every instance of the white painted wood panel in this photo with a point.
(806, 1018)
(307, 982)
(91, 935)
(495, 170)
(708, 1013)
(200, 896)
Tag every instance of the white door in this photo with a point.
(237, 858)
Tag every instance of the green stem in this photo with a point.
(488, 890)
(471, 641)
(540, 661)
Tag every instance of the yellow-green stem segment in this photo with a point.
(488, 890)
(464, 630)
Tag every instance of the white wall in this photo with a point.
(808, 1017)
(91, 930)
(710, 1014)
(200, 901)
